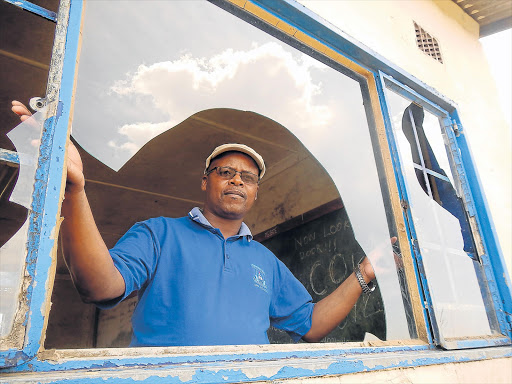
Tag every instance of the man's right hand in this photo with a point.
(86, 254)
(20, 109)
(75, 180)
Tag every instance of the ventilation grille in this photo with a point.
(427, 43)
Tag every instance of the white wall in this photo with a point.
(386, 26)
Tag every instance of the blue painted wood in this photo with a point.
(49, 183)
(411, 94)
(238, 370)
(9, 157)
(45, 206)
(475, 203)
(152, 359)
(493, 260)
(463, 161)
(33, 8)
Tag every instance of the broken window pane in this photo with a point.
(440, 222)
(147, 103)
(432, 168)
(14, 212)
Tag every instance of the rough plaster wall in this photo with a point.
(387, 28)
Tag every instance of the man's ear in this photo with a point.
(204, 181)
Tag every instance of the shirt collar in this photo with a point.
(196, 215)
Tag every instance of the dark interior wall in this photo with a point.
(26, 42)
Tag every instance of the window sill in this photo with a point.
(238, 363)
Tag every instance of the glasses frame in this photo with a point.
(242, 173)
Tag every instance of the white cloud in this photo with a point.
(139, 134)
(265, 79)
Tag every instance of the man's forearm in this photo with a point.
(87, 257)
(333, 309)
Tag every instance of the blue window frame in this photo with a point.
(231, 364)
(461, 209)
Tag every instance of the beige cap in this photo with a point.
(237, 148)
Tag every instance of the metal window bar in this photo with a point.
(422, 160)
(35, 9)
(10, 158)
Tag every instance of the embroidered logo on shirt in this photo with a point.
(259, 278)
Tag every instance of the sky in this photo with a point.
(498, 49)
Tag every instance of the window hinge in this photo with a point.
(404, 204)
(455, 128)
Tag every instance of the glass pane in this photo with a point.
(441, 228)
(421, 128)
(162, 103)
(435, 140)
(15, 201)
(424, 136)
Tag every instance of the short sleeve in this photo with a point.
(291, 306)
(135, 256)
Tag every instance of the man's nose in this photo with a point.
(237, 179)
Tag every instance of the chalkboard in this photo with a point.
(321, 251)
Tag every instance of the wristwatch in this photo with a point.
(367, 288)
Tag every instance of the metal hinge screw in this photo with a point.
(455, 128)
(36, 103)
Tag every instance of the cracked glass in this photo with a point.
(453, 272)
(17, 187)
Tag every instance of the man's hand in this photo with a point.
(86, 255)
(367, 269)
(75, 180)
(20, 109)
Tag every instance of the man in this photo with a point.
(201, 279)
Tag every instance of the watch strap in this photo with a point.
(367, 288)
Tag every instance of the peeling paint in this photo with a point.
(258, 370)
(28, 323)
(203, 364)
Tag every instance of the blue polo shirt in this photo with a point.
(197, 288)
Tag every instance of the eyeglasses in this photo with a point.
(228, 173)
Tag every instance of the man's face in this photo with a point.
(230, 199)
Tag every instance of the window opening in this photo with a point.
(427, 43)
(202, 86)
